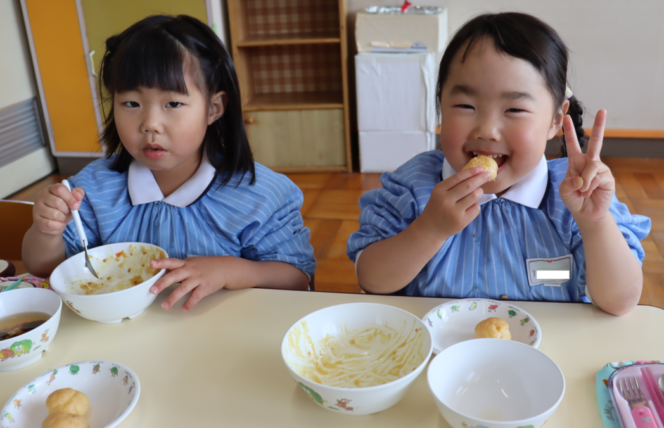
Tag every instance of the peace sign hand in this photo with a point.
(588, 189)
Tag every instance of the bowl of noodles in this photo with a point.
(123, 287)
(356, 358)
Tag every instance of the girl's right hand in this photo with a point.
(453, 203)
(53, 205)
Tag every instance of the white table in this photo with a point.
(220, 364)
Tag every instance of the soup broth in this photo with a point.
(18, 324)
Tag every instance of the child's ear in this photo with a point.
(557, 122)
(217, 106)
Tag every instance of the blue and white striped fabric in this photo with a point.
(488, 258)
(255, 222)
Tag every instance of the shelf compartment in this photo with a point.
(294, 69)
(291, 17)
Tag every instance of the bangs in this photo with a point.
(151, 59)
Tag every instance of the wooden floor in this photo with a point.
(331, 211)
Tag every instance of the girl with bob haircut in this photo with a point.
(178, 173)
(435, 230)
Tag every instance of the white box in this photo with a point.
(396, 92)
(376, 30)
(386, 151)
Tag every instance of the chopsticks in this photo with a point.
(11, 287)
(656, 396)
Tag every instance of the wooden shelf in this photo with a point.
(290, 39)
(295, 101)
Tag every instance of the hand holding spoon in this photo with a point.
(81, 235)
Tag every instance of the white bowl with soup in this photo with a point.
(356, 358)
(123, 288)
(29, 319)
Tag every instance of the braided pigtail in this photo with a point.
(575, 111)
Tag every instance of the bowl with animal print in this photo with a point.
(356, 358)
(455, 321)
(112, 388)
(29, 319)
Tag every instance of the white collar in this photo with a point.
(143, 188)
(528, 191)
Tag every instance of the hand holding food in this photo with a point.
(67, 408)
(453, 203)
(52, 209)
(487, 164)
(493, 328)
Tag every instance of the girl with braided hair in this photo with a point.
(433, 231)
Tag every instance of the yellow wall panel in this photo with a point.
(64, 77)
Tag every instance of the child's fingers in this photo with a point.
(460, 177)
(593, 169)
(469, 186)
(570, 185)
(195, 297)
(61, 191)
(167, 280)
(170, 264)
(179, 292)
(467, 201)
(571, 142)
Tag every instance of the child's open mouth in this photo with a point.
(499, 158)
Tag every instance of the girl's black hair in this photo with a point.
(521, 36)
(152, 53)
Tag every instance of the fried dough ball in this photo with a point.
(487, 163)
(68, 401)
(65, 420)
(493, 328)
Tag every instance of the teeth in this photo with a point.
(490, 156)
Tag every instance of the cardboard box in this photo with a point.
(386, 151)
(396, 92)
(379, 31)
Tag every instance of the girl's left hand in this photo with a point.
(588, 189)
(201, 276)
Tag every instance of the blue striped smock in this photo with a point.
(488, 258)
(255, 222)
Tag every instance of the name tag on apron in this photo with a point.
(553, 272)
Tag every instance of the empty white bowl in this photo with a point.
(113, 390)
(103, 308)
(455, 321)
(355, 316)
(495, 383)
(21, 351)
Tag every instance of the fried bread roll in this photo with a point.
(494, 328)
(68, 400)
(65, 420)
(487, 163)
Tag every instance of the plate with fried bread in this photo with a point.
(465, 319)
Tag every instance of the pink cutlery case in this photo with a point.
(621, 405)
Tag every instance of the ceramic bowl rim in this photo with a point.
(21, 336)
(387, 385)
(483, 299)
(117, 420)
(57, 287)
(527, 348)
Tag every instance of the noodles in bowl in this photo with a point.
(356, 358)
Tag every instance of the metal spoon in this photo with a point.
(81, 235)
